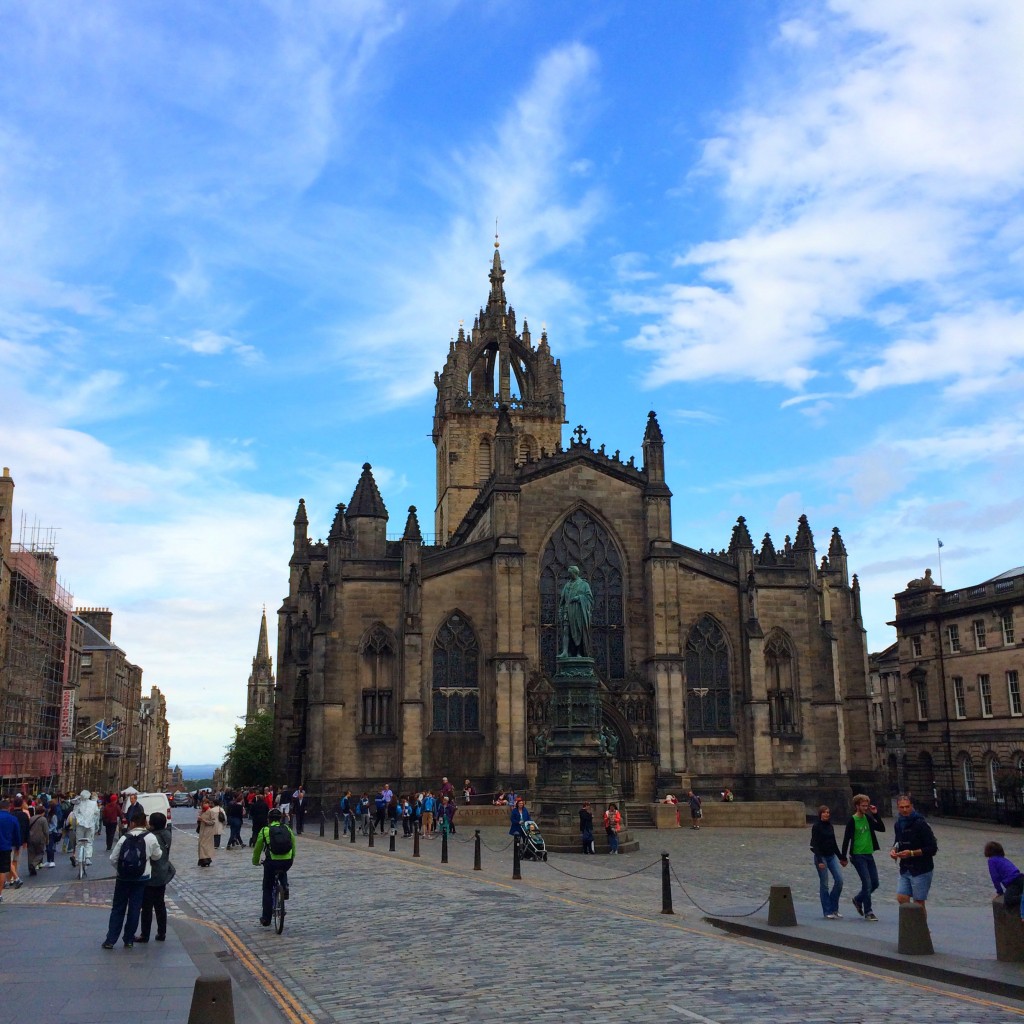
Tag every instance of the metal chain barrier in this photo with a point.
(602, 878)
(713, 913)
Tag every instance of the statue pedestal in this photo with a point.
(576, 764)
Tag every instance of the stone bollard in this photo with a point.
(212, 1001)
(781, 912)
(915, 939)
(1009, 933)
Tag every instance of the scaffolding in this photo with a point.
(34, 670)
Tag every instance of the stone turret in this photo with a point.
(367, 517)
(837, 556)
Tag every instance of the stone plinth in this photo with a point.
(575, 763)
(749, 814)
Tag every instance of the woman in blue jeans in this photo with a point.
(827, 860)
(860, 840)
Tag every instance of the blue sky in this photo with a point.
(236, 238)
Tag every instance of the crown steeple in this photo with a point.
(487, 367)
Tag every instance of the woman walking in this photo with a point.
(612, 827)
(207, 828)
(827, 860)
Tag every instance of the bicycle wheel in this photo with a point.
(81, 861)
(278, 908)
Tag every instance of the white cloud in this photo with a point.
(871, 178)
(210, 343)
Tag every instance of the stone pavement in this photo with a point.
(373, 935)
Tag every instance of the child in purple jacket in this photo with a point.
(1005, 875)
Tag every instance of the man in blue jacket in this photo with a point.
(913, 850)
(10, 839)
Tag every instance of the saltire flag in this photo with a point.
(941, 545)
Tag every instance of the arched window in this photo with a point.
(377, 669)
(483, 460)
(456, 682)
(970, 792)
(581, 540)
(994, 769)
(780, 674)
(708, 691)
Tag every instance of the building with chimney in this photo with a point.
(404, 658)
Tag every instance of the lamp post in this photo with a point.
(145, 716)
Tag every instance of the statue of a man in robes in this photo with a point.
(575, 609)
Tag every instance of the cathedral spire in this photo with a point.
(366, 500)
(262, 645)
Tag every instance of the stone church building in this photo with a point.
(403, 661)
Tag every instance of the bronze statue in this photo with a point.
(575, 609)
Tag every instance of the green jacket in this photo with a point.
(263, 840)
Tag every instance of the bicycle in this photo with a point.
(81, 847)
(277, 903)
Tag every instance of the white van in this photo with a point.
(151, 802)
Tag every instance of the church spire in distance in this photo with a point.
(260, 697)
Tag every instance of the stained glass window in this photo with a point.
(708, 690)
(456, 682)
(581, 540)
(378, 663)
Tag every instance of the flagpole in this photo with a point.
(939, 543)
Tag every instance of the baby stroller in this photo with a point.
(531, 842)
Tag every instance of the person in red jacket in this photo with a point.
(110, 815)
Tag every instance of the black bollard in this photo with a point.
(337, 827)
(323, 822)
(666, 886)
(476, 852)
(370, 843)
(352, 828)
(416, 842)
(391, 844)
(444, 846)
(516, 862)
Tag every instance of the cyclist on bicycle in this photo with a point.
(278, 841)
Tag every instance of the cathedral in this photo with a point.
(405, 661)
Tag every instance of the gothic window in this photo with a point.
(780, 674)
(483, 460)
(708, 692)
(581, 540)
(456, 681)
(377, 672)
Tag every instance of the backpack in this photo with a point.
(280, 840)
(132, 858)
(221, 817)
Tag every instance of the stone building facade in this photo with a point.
(961, 667)
(402, 661)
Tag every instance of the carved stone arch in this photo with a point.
(710, 677)
(378, 637)
(526, 449)
(612, 717)
(582, 537)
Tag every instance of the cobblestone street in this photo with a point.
(373, 935)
